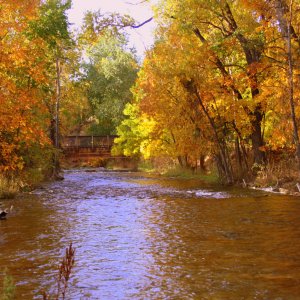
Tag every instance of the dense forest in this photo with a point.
(218, 89)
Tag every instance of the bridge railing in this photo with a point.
(88, 141)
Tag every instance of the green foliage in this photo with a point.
(95, 23)
(111, 72)
(52, 24)
(75, 109)
(38, 164)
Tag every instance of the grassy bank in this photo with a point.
(183, 173)
(169, 168)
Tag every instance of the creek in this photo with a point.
(140, 236)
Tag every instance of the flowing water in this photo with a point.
(147, 237)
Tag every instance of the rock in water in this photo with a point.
(3, 213)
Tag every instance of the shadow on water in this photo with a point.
(145, 237)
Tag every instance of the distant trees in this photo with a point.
(105, 73)
(111, 70)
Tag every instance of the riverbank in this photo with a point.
(281, 177)
(11, 186)
(285, 181)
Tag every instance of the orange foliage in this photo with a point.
(21, 72)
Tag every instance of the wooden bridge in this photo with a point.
(88, 147)
(94, 151)
(88, 141)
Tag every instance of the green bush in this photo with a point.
(38, 165)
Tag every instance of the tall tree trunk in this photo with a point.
(57, 104)
(202, 163)
(253, 54)
(223, 160)
(56, 164)
(291, 84)
(52, 129)
(257, 137)
(284, 16)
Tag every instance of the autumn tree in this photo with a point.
(211, 57)
(134, 134)
(22, 122)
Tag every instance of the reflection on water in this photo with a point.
(139, 237)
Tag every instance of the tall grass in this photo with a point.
(282, 173)
(64, 272)
(8, 187)
(8, 288)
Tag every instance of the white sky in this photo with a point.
(141, 38)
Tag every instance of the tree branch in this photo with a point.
(142, 24)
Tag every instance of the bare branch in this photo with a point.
(142, 24)
(141, 2)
